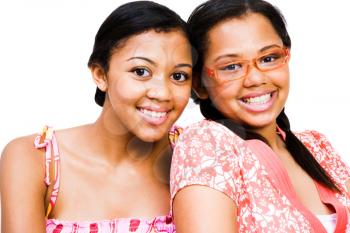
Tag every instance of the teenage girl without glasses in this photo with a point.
(243, 169)
(111, 175)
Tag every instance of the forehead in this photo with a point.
(153, 44)
(248, 33)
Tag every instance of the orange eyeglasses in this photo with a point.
(237, 69)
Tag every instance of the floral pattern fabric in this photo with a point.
(207, 153)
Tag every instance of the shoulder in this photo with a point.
(206, 139)
(207, 153)
(310, 136)
(209, 132)
(321, 148)
(70, 137)
(22, 172)
(316, 142)
(207, 126)
(22, 149)
(21, 155)
(204, 146)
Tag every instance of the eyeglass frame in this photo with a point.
(212, 73)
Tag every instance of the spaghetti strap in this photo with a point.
(47, 140)
(174, 134)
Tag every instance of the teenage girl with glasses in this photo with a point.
(242, 169)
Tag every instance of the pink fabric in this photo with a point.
(208, 153)
(47, 140)
(280, 178)
(136, 225)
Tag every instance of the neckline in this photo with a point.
(147, 220)
(332, 215)
(281, 181)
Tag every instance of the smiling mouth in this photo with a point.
(258, 100)
(153, 117)
(152, 114)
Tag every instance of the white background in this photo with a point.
(45, 45)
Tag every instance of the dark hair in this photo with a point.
(201, 21)
(127, 20)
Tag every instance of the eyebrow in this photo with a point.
(142, 58)
(153, 63)
(269, 47)
(233, 55)
(183, 65)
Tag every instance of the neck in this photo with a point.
(114, 145)
(271, 136)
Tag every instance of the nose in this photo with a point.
(159, 88)
(254, 77)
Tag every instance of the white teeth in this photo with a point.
(152, 114)
(258, 100)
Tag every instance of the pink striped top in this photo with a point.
(47, 140)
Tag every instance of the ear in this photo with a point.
(99, 76)
(198, 87)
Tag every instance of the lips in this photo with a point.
(262, 99)
(152, 114)
(153, 117)
(258, 102)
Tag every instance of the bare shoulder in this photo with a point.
(22, 171)
(21, 158)
(73, 134)
(21, 153)
(22, 150)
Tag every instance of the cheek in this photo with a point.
(181, 95)
(224, 92)
(281, 79)
(126, 89)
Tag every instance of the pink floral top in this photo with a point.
(207, 153)
(47, 140)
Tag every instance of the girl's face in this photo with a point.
(148, 84)
(245, 70)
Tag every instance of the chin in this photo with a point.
(152, 136)
(260, 122)
(151, 139)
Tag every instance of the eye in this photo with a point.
(232, 67)
(271, 58)
(180, 77)
(142, 72)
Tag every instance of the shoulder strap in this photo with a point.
(47, 140)
(174, 135)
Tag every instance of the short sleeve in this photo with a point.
(206, 154)
(326, 155)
